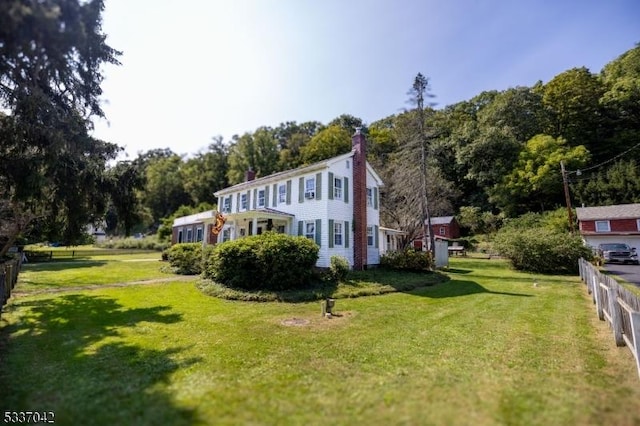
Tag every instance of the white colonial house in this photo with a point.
(334, 202)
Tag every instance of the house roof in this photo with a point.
(294, 172)
(620, 211)
(442, 220)
(194, 218)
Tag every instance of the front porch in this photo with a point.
(255, 222)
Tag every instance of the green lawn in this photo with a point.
(487, 347)
(106, 269)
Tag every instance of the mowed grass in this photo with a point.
(97, 270)
(487, 347)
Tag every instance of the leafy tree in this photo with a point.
(125, 180)
(52, 170)
(619, 184)
(327, 143)
(206, 173)
(257, 151)
(349, 123)
(621, 102)
(518, 112)
(535, 181)
(164, 189)
(572, 99)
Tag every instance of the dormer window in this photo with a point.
(603, 226)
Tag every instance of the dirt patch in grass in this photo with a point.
(317, 321)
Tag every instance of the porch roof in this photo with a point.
(261, 213)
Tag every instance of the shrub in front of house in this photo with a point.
(407, 260)
(269, 261)
(338, 268)
(185, 258)
(541, 250)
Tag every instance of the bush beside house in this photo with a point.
(541, 250)
(269, 261)
(186, 258)
(408, 260)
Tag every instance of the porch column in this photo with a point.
(255, 226)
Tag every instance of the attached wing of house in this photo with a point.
(335, 202)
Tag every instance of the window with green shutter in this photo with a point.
(318, 186)
(319, 232)
(346, 189)
(347, 230)
(331, 230)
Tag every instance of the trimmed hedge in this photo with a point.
(408, 260)
(269, 261)
(542, 250)
(185, 258)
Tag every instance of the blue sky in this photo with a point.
(194, 69)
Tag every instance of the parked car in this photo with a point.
(618, 252)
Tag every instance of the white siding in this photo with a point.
(323, 209)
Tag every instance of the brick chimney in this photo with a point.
(249, 175)
(359, 144)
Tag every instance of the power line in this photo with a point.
(578, 172)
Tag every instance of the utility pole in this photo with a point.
(567, 197)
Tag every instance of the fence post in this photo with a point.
(597, 298)
(616, 314)
(635, 330)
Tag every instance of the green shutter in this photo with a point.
(331, 233)
(289, 191)
(318, 186)
(346, 189)
(237, 202)
(375, 235)
(255, 197)
(275, 195)
(318, 232)
(330, 186)
(347, 232)
(266, 196)
(301, 191)
(375, 198)
(300, 225)
(248, 199)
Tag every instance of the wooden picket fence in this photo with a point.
(8, 277)
(616, 305)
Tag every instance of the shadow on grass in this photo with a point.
(62, 265)
(457, 288)
(67, 355)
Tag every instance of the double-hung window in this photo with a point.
(337, 233)
(337, 188)
(310, 230)
(310, 188)
(282, 194)
(261, 198)
(243, 202)
(369, 197)
(198, 235)
(370, 236)
(226, 205)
